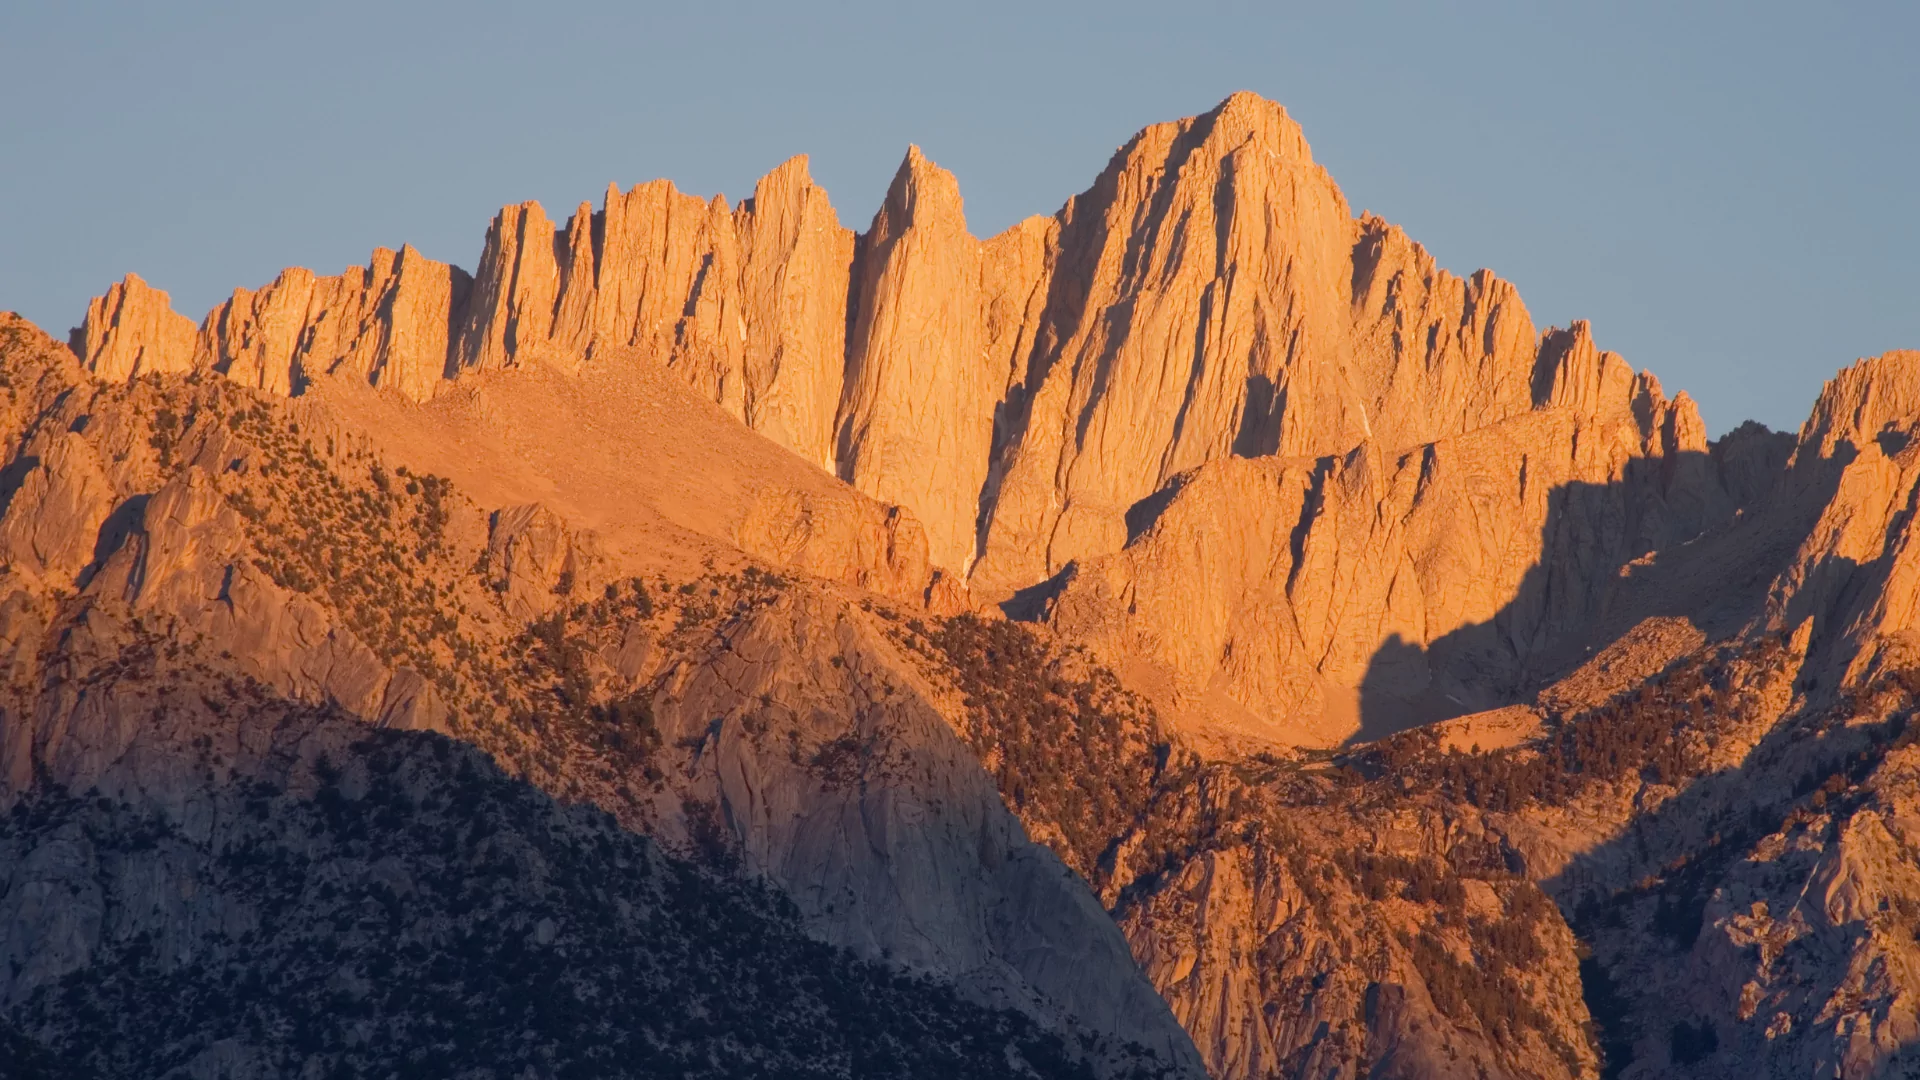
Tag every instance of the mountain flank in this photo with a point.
(1189, 635)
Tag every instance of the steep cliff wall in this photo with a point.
(1210, 295)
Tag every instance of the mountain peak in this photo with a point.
(1244, 116)
(1863, 401)
(921, 188)
(792, 174)
(133, 330)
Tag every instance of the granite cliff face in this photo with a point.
(1350, 576)
(1392, 688)
(1034, 399)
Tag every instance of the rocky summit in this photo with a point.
(1190, 635)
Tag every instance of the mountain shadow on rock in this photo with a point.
(390, 903)
(1649, 545)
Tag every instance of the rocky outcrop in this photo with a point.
(1747, 900)
(1348, 600)
(59, 498)
(755, 721)
(794, 295)
(1853, 485)
(838, 538)
(916, 420)
(882, 827)
(1199, 306)
(1874, 401)
(239, 838)
(390, 323)
(516, 289)
(133, 330)
(537, 563)
(1363, 958)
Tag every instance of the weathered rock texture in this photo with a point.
(1210, 295)
(241, 841)
(916, 420)
(1434, 579)
(133, 330)
(1857, 567)
(1034, 400)
(1299, 923)
(763, 725)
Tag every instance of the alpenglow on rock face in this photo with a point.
(1191, 633)
(1034, 399)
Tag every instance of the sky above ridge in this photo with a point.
(1727, 190)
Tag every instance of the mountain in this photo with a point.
(1192, 634)
(1035, 399)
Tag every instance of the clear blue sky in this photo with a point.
(1731, 192)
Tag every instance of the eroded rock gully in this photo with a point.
(1406, 692)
